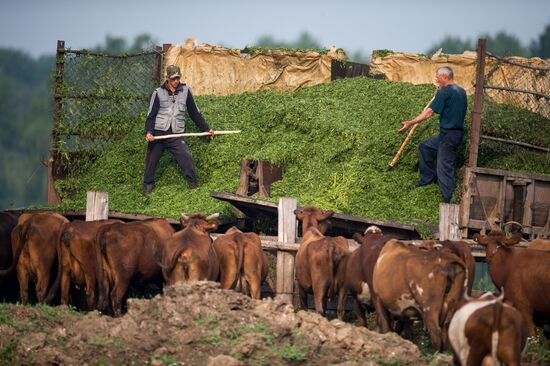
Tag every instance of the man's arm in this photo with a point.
(424, 115)
(196, 114)
(154, 107)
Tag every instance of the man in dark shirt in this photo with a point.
(166, 116)
(450, 103)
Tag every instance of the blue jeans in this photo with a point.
(441, 148)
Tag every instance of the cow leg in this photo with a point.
(228, 277)
(65, 286)
(42, 285)
(117, 294)
(342, 292)
(383, 316)
(303, 297)
(476, 356)
(319, 297)
(254, 284)
(431, 322)
(23, 278)
(527, 315)
(359, 312)
(90, 291)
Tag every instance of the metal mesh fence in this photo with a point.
(519, 84)
(98, 99)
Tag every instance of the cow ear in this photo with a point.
(299, 213)
(483, 240)
(325, 215)
(358, 237)
(212, 225)
(514, 239)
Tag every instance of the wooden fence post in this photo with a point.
(97, 206)
(285, 260)
(449, 228)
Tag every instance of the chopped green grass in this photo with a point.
(335, 142)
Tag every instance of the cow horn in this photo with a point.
(373, 229)
(213, 216)
(184, 216)
(501, 297)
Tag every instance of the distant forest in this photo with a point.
(26, 101)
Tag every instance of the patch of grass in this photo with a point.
(291, 352)
(100, 341)
(48, 312)
(7, 353)
(538, 348)
(206, 320)
(165, 359)
(5, 315)
(214, 338)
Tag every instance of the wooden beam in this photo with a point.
(97, 206)
(287, 226)
(448, 222)
(478, 103)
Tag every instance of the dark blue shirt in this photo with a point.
(450, 103)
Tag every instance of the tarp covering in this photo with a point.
(212, 70)
(420, 69)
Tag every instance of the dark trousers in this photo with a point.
(179, 150)
(441, 148)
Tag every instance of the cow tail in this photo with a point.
(457, 274)
(99, 248)
(55, 285)
(19, 233)
(240, 260)
(497, 306)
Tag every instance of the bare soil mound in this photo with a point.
(195, 324)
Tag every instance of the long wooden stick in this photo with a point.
(407, 139)
(196, 134)
(405, 142)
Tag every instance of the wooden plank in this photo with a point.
(97, 206)
(287, 226)
(448, 222)
(510, 174)
(478, 103)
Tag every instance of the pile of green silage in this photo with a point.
(335, 142)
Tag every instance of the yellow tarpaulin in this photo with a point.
(420, 69)
(211, 70)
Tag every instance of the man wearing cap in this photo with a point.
(166, 116)
(437, 154)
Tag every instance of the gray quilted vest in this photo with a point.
(172, 110)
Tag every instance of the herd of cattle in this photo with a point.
(403, 282)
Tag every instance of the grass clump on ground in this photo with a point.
(334, 141)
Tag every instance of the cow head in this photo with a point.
(371, 233)
(200, 221)
(313, 217)
(497, 237)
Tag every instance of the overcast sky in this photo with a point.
(403, 25)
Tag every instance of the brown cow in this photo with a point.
(35, 251)
(77, 260)
(8, 283)
(318, 258)
(539, 244)
(241, 257)
(522, 272)
(486, 329)
(357, 272)
(127, 252)
(409, 282)
(189, 254)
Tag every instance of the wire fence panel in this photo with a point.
(521, 84)
(99, 98)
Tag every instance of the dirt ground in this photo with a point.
(196, 324)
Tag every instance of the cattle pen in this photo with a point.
(284, 246)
